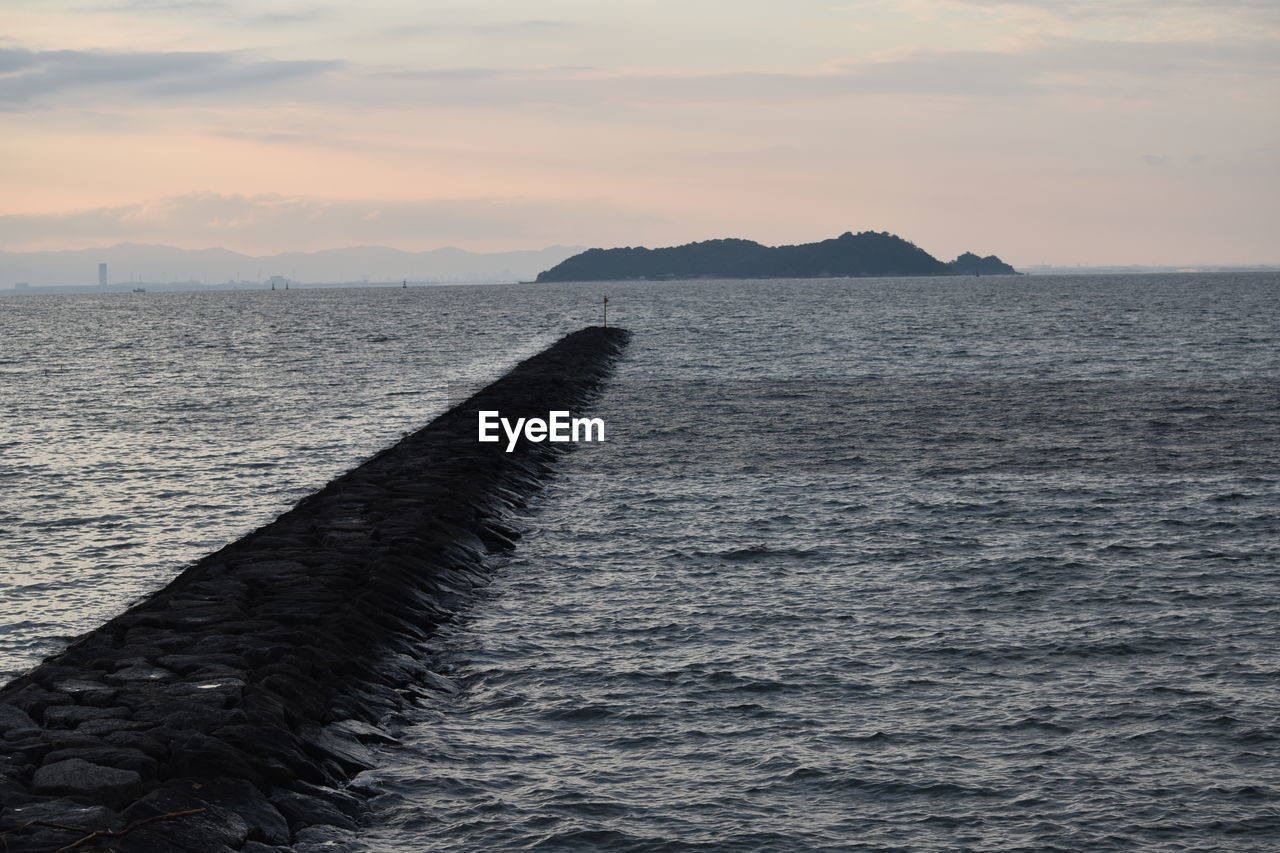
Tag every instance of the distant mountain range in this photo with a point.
(130, 263)
(868, 253)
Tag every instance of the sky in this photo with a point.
(1065, 132)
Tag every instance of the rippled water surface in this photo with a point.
(979, 564)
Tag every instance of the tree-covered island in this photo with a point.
(868, 253)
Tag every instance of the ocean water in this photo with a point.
(911, 564)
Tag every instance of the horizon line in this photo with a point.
(1191, 266)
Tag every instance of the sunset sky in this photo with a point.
(1047, 131)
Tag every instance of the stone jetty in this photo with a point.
(229, 710)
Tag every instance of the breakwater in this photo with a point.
(227, 710)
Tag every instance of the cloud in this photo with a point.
(1061, 65)
(515, 76)
(278, 223)
(214, 9)
(1138, 20)
(32, 77)
(164, 6)
(297, 16)
(499, 28)
(206, 10)
(447, 75)
(1111, 8)
(272, 138)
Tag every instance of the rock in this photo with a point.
(120, 757)
(27, 746)
(348, 804)
(212, 829)
(34, 699)
(63, 739)
(87, 692)
(219, 692)
(143, 741)
(107, 726)
(12, 794)
(303, 811)
(70, 716)
(214, 663)
(150, 706)
(324, 839)
(78, 778)
(66, 812)
(40, 839)
(261, 708)
(362, 731)
(12, 718)
(352, 755)
(137, 656)
(202, 756)
(264, 820)
(139, 672)
(277, 754)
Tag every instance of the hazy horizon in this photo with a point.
(106, 247)
(1049, 133)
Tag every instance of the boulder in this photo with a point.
(13, 718)
(76, 777)
(70, 716)
(67, 813)
(304, 811)
(120, 757)
(208, 829)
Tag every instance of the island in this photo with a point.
(868, 253)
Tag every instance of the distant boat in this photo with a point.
(139, 290)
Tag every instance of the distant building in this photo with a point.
(102, 275)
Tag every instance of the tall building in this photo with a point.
(102, 275)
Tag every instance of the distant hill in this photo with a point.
(869, 253)
(130, 262)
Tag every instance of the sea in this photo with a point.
(922, 564)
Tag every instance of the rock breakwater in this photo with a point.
(228, 710)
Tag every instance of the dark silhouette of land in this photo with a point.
(868, 253)
(132, 265)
